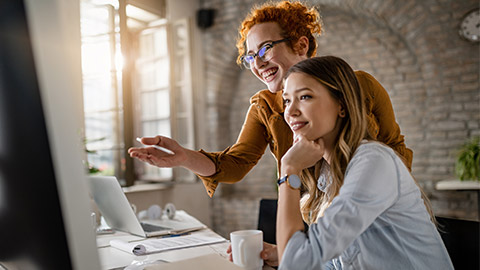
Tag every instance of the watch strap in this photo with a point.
(282, 180)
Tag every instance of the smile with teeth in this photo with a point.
(267, 75)
(297, 125)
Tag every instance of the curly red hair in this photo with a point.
(294, 18)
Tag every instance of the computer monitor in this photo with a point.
(44, 203)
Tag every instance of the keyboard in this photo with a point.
(153, 228)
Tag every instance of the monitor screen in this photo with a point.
(44, 211)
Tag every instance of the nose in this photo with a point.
(291, 110)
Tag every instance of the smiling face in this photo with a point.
(272, 71)
(310, 109)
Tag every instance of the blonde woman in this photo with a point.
(364, 208)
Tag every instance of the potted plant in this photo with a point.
(91, 169)
(467, 165)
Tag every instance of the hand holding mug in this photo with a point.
(268, 254)
(246, 247)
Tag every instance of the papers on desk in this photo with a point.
(167, 243)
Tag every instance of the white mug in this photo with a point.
(246, 248)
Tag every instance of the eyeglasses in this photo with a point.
(264, 53)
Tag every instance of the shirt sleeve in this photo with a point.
(370, 187)
(382, 110)
(236, 161)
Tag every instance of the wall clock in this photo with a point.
(470, 26)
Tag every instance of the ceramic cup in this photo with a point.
(246, 248)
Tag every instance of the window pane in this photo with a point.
(183, 130)
(96, 55)
(146, 45)
(146, 73)
(97, 126)
(155, 104)
(103, 160)
(160, 41)
(161, 73)
(154, 74)
(94, 20)
(153, 128)
(153, 43)
(98, 93)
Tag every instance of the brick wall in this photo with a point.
(411, 47)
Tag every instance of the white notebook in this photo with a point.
(155, 245)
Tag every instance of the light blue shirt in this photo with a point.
(377, 221)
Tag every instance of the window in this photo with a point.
(160, 92)
(101, 67)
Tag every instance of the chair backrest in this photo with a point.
(461, 238)
(267, 219)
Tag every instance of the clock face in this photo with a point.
(470, 26)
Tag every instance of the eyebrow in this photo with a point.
(299, 90)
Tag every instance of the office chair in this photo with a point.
(267, 219)
(461, 238)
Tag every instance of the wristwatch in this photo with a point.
(293, 181)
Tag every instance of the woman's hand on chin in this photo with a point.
(303, 154)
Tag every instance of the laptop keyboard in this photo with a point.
(153, 228)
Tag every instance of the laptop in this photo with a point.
(119, 215)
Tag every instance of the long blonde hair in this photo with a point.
(341, 82)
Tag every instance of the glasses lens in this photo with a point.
(247, 60)
(265, 52)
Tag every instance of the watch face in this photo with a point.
(470, 26)
(294, 181)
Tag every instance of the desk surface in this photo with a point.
(112, 258)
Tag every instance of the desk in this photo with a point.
(461, 186)
(112, 258)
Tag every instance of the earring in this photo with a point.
(342, 113)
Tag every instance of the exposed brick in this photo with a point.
(461, 87)
(473, 125)
(472, 106)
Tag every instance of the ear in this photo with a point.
(341, 112)
(301, 46)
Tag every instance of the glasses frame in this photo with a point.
(267, 46)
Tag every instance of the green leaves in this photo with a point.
(467, 166)
(91, 169)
